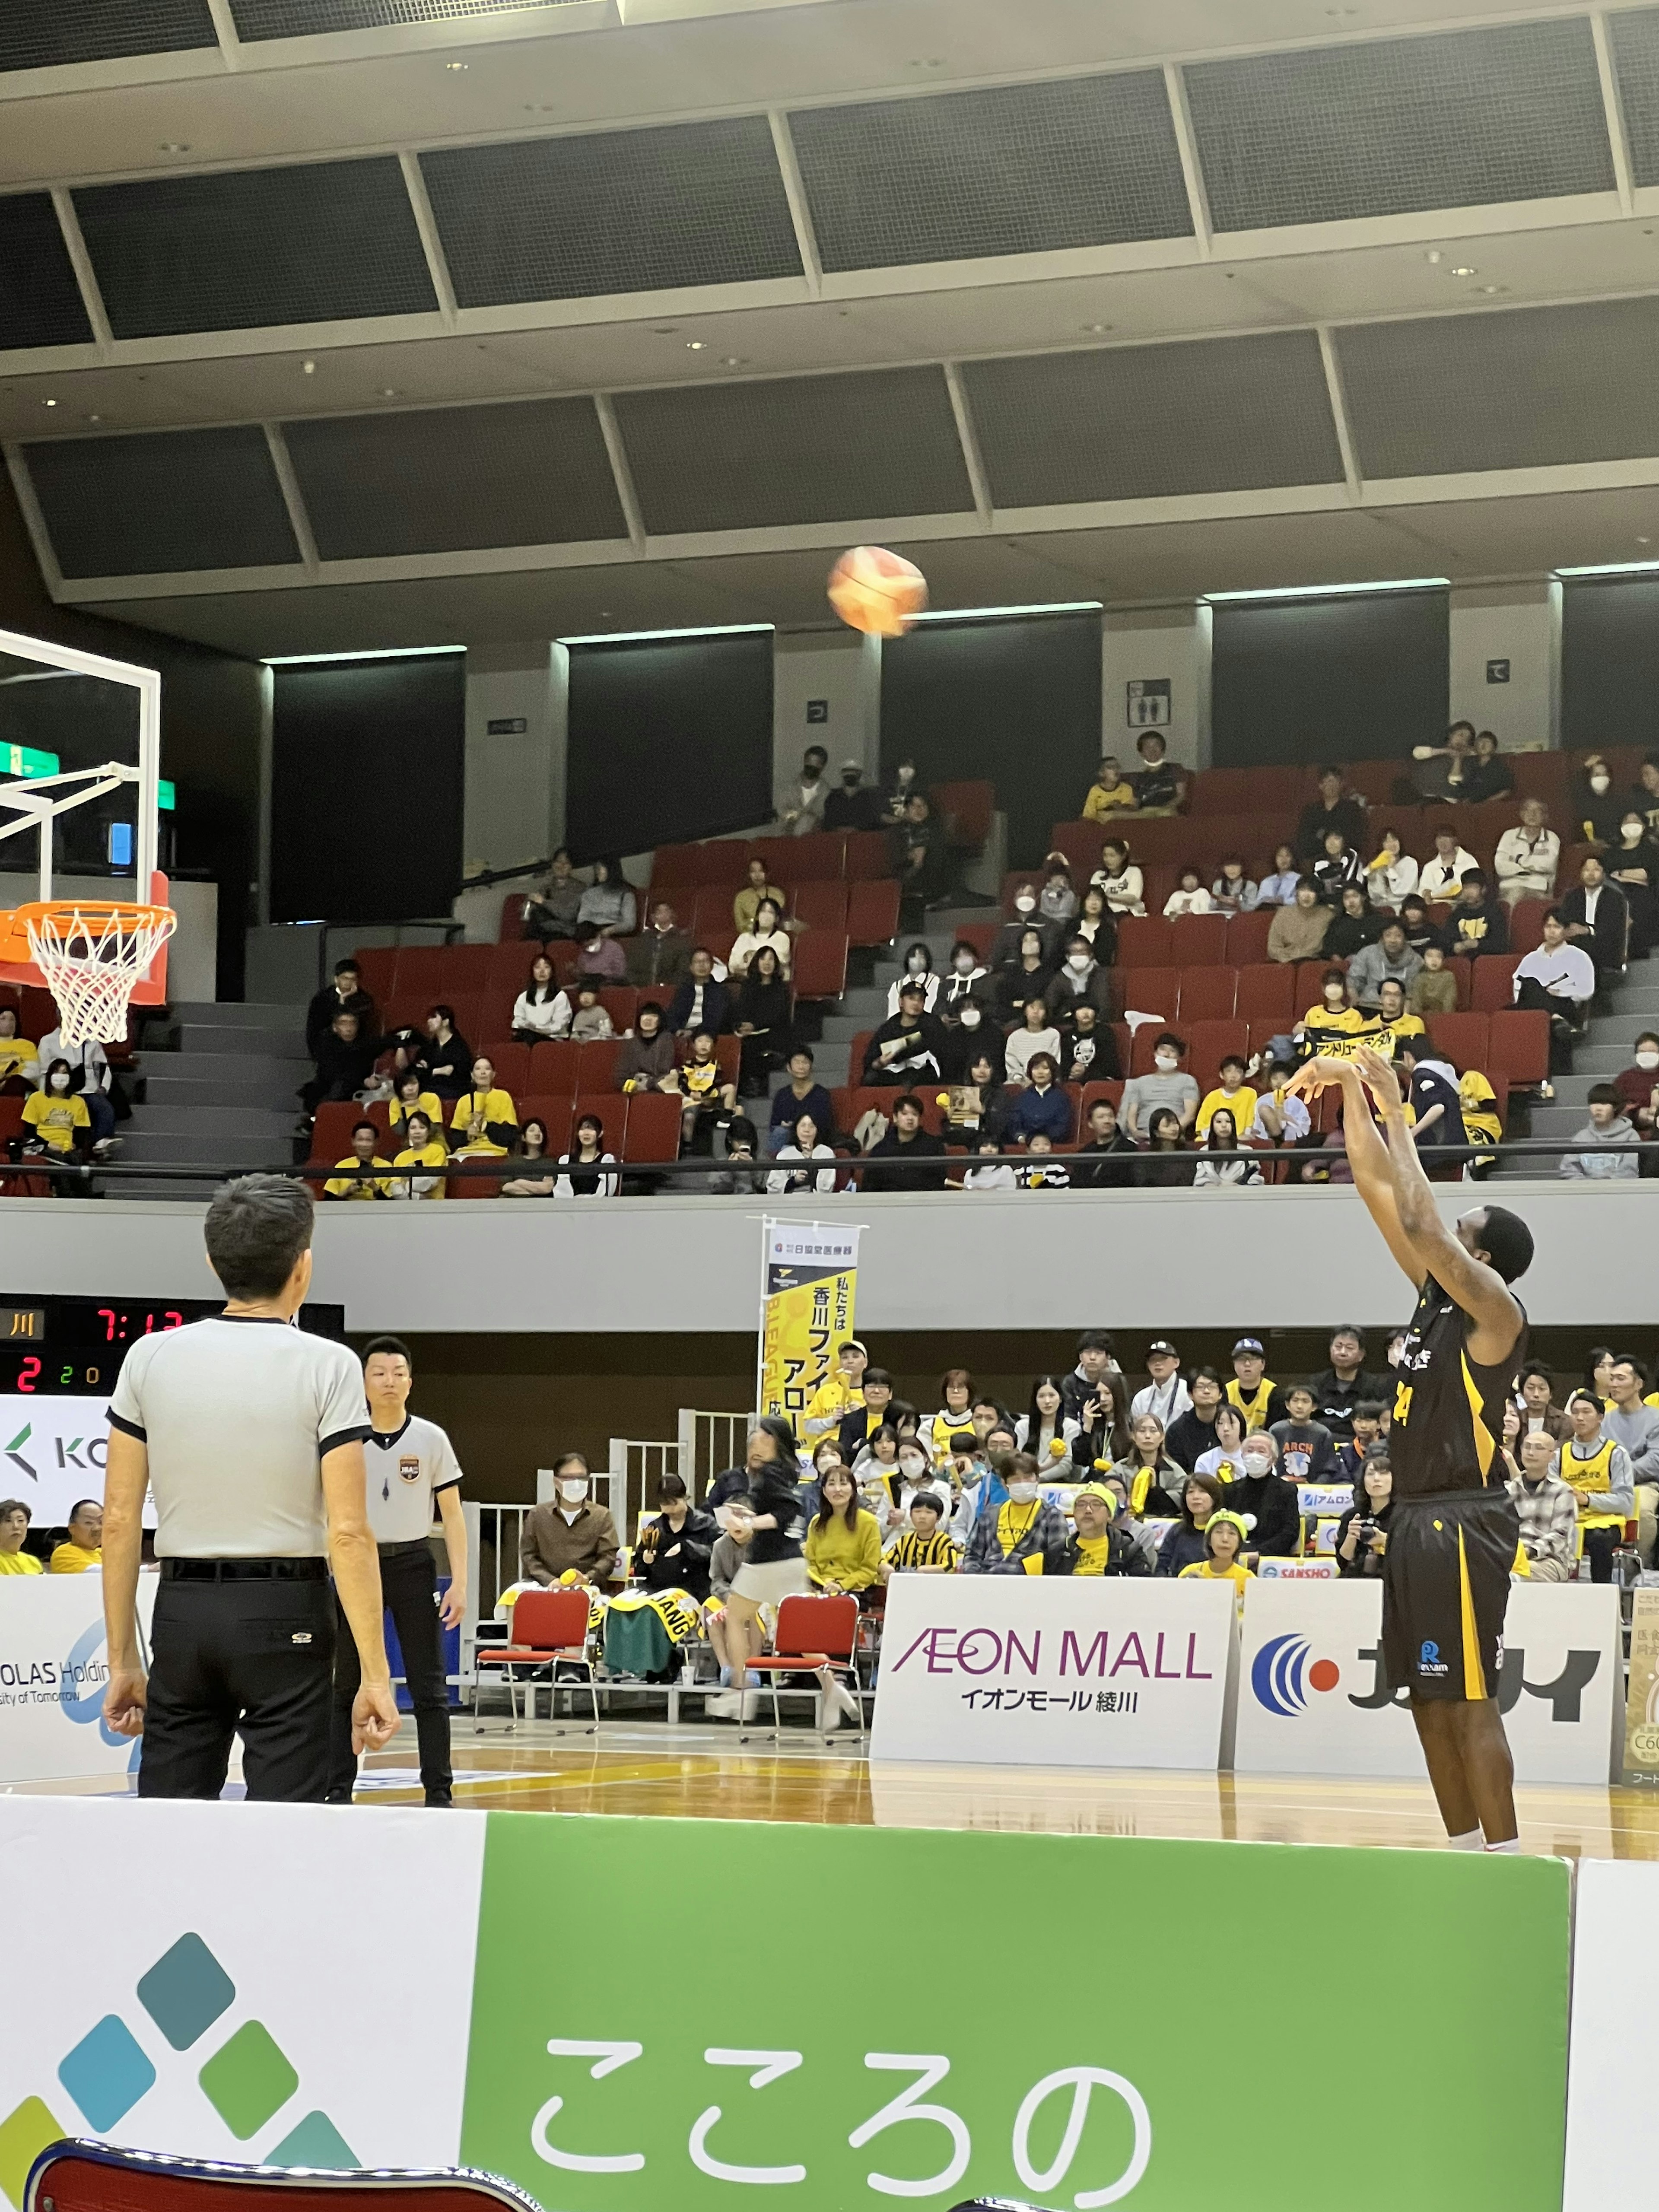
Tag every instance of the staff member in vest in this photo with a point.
(1598, 1470)
(250, 1437)
(412, 1467)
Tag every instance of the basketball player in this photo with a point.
(1452, 1544)
(250, 1434)
(412, 1471)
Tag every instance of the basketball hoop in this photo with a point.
(92, 955)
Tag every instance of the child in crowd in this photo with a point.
(925, 1547)
(590, 1023)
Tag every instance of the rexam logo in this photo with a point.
(1281, 1675)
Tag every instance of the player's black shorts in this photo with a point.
(1445, 1590)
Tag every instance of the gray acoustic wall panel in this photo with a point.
(47, 33)
(1026, 168)
(1533, 387)
(40, 302)
(1635, 35)
(449, 480)
(799, 449)
(1400, 124)
(1153, 422)
(162, 500)
(612, 212)
(238, 250)
(305, 19)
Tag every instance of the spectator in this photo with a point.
(15, 1519)
(703, 1001)
(1630, 1420)
(918, 969)
(17, 1053)
(1299, 932)
(1167, 1163)
(1225, 1557)
(1024, 1527)
(90, 1080)
(607, 902)
(1557, 978)
(1193, 1433)
(806, 1143)
(1367, 1434)
(801, 802)
(345, 1060)
(423, 1149)
(1396, 1022)
(1343, 1383)
(856, 806)
(1183, 1546)
(1389, 959)
(1486, 776)
(1096, 926)
(1043, 1108)
(551, 908)
(1093, 1392)
(710, 1099)
(1264, 1502)
(1106, 1159)
(1528, 856)
(1433, 989)
(1441, 877)
(1598, 1372)
(661, 954)
(1537, 1407)
(83, 1553)
(1307, 1452)
(365, 1153)
(1232, 1092)
(542, 1012)
(648, 1055)
(724, 1563)
(1225, 1458)
(966, 984)
(1338, 865)
(55, 1118)
(980, 1105)
(1597, 917)
(599, 958)
(1279, 889)
(444, 1061)
(907, 1047)
(485, 1120)
(1477, 924)
(1334, 808)
(1547, 1508)
(1109, 794)
(1166, 1395)
(1444, 767)
(1421, 929)
(802, 1094)
(1633, 865)
(843, 1542)
(769, 930)
(1122, 882)
(1333, 1021)
(940, 1432)
(1057, 900)
(1353, 926)
(1038, 1035)
(1224, 1164)
(1232, 891)
(573, 1536)
(1045, 1429)
(1259, 1399)
(1010, 941)
(924, 1546)
(993, 1173)
(1169, 1085)
(1105, 1540)
(534, 1148)
(1597, 807)
(1188, 896)
(1639, 1092)
(345, 996)
(1646, 793)
(1598, 1470)
(1027, 981)
(839, 1393)
(1612, 1157)
(1089, 1054)
(1281, 1119)
(1434, 1104)
(747, 901)
(1362, 1534)
(898, 795)
(921, 854)
(581, 1169)
(907, 1140)
(673, 1550)
(762, 1022)
(590, 1024)
(1160, 786)
(411, 1099)
(1392, 876)
(1043, 1171)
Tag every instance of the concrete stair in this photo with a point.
(219, 1084)
(864, 1007)
(1606, 1051)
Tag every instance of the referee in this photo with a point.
(413, 1473)
(250, 1437)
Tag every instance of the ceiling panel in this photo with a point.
(1634, 32)
(456, 479)
(1390, 126)
(1026, 168)
(1526, 387)
(145, 506)
(804, 449)
(612, 212)
(257, 20)
(1152, 422)
(47, 33)
(237, 250)
(40, 302)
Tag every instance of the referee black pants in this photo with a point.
(247, 1658)
(409, 1582)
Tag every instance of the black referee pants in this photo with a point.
(247, 1658)
(408, 1583)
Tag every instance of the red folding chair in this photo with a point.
(1207, 995)
(1247, 937)
(74, 2175)
(813, 1633)
(548, 1628)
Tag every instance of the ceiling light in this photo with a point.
(1463, 270)
(1644, 541)
(1095, 330)
(173, 146)
(735, 361)
(388, 392)
(1331, 591)
(49, 403)
(647, 636)
(309, 368)
(99, 418)
(1433, 255)
(693, 345)
(381, 652)
(1492, 288)
(454, 65)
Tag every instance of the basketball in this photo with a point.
(877, 592)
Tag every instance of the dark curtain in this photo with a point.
(1365, 676)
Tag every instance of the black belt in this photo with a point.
(244, 1571)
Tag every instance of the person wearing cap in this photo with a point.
(1224, 1557)
(1166, 1394)
(837, 1396)
(1261, 1400)
(1102, 1543)
(851, 805)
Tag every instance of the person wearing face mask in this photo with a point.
(1024, 1535)
(1027, 981)
(1080, 981)
(1596, 808)
(1264, 1501)
(573, 1536)
(917, 1479)
(55, 1117)
(1010, 941)
(1333, 1019)
(1633, 865)
(969, 979)
(854, 806)
(973, 1034)
(918, 972)
(1638, 1094)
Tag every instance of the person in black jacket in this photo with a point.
(1597, 915)
(1193, 1433)
(1330, 811)
(906, 1140)
(701, 1000)
(1358, 1550)
(673, 1550)
(445, 1059)
(761, 1019)
(1183, 1544)
(1345, 1384)
(1104, 1543)
(907, 1047)
(345, 1059)
(345, 996)
(1265, 1501)
(1114, 1152)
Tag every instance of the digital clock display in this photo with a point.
(52, 1346)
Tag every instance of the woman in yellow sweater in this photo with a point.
(15, 1519)
(1224, 1545)
(843, 1544)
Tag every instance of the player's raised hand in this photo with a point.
(1323, 1073)
(1379, 1078)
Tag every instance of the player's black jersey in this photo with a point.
(1447, 1411)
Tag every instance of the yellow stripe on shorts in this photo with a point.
(1474, 1675)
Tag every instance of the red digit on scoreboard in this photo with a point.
(106, 1314)
(27, 1373)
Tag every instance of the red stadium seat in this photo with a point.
(1526, 925)
(654, 1126)
(553, 1069)
(1207, 995)
(855, 1052)
(1151, 991)
(1519, 1045)
(512, 1067)
(1310, 980)
(1206, 1043)
(1266, 993)
(1458, 968)
(1141, 1050)
(1080, 842)
(778, 853)
(712, 910)
(620, 1000)
(377, 967)
(820, 965)
(1198, 940)
(1492, 987)
(873, 910)
(866, 857)
(612, 1107)
(676, 867)
(1224, 791)
(820, 905)
(330, 1132)
(1463, 1039)
(509, 970)
(596, 1065)
(473, 1185)
(981, 935)
(1143, 941)
(1091, 1091)
(967, 808)
(818, 858)
(1247, 937)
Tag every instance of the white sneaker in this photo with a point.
(726, 1707)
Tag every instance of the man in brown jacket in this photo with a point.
(571, 1533)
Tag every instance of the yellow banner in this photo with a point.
(806, 1311)
(1642, 1702)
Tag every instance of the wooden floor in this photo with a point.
(691, 1773)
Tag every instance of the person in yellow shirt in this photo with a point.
(364, 1153)
(412, 1099)
(1333, 1024)
(1397, 1024)
(425, 1149)
(57, 1116)
(1222, 1561)
(485, 1120)
(85, 1548)
(1480, 1103)
(844, 1543)
(1232, 1092)
(838, 1394)
(925, 1548)
(15, 1519)
(1109, 794)
(1257, 1397)
(15, 1052)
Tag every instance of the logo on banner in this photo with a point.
(1281, 1675)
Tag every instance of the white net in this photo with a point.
(92, 957)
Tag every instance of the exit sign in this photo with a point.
(25, 761)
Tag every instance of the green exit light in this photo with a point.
(25, 761)
(164, 796)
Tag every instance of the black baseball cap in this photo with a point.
(1165, 1347)
(1250, 1343)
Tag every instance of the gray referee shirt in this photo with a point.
(407, 1468)
(236, 1414)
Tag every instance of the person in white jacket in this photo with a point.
(542, 1011)
(1188, 896)
(1441, 877)
(1527, 857)
(1392, 876)
(792, 1172)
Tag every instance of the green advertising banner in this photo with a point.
(669, 2012)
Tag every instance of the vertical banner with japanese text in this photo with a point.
(806, 1310)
